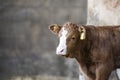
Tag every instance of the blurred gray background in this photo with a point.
(27, 47)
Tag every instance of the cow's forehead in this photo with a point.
(69, 26)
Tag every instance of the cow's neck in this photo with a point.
(84, 51)
(83, 56)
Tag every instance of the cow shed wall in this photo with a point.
(104, 12)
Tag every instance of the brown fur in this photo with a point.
(99, 54)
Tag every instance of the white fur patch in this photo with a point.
(62, 47)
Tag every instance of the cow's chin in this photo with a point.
(68, 55)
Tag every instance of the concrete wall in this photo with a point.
(27, 47)
(104, 12)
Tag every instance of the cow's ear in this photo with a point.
(82, 31)
(55, 28)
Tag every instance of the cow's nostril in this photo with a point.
(62, 50)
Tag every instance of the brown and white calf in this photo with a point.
(96, 48)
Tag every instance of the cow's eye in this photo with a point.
(73, 38)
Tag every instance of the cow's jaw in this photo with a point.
(62, 47)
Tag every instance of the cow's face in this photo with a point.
(69, 37)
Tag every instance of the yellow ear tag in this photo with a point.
(83, 35)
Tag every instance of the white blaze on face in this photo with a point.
(62, 47)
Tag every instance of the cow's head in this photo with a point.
(69, 36)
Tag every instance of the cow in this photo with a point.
(96, 48)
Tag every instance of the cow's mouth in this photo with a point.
(65, 55)
(68, 56)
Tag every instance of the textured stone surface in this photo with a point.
(104, 12)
